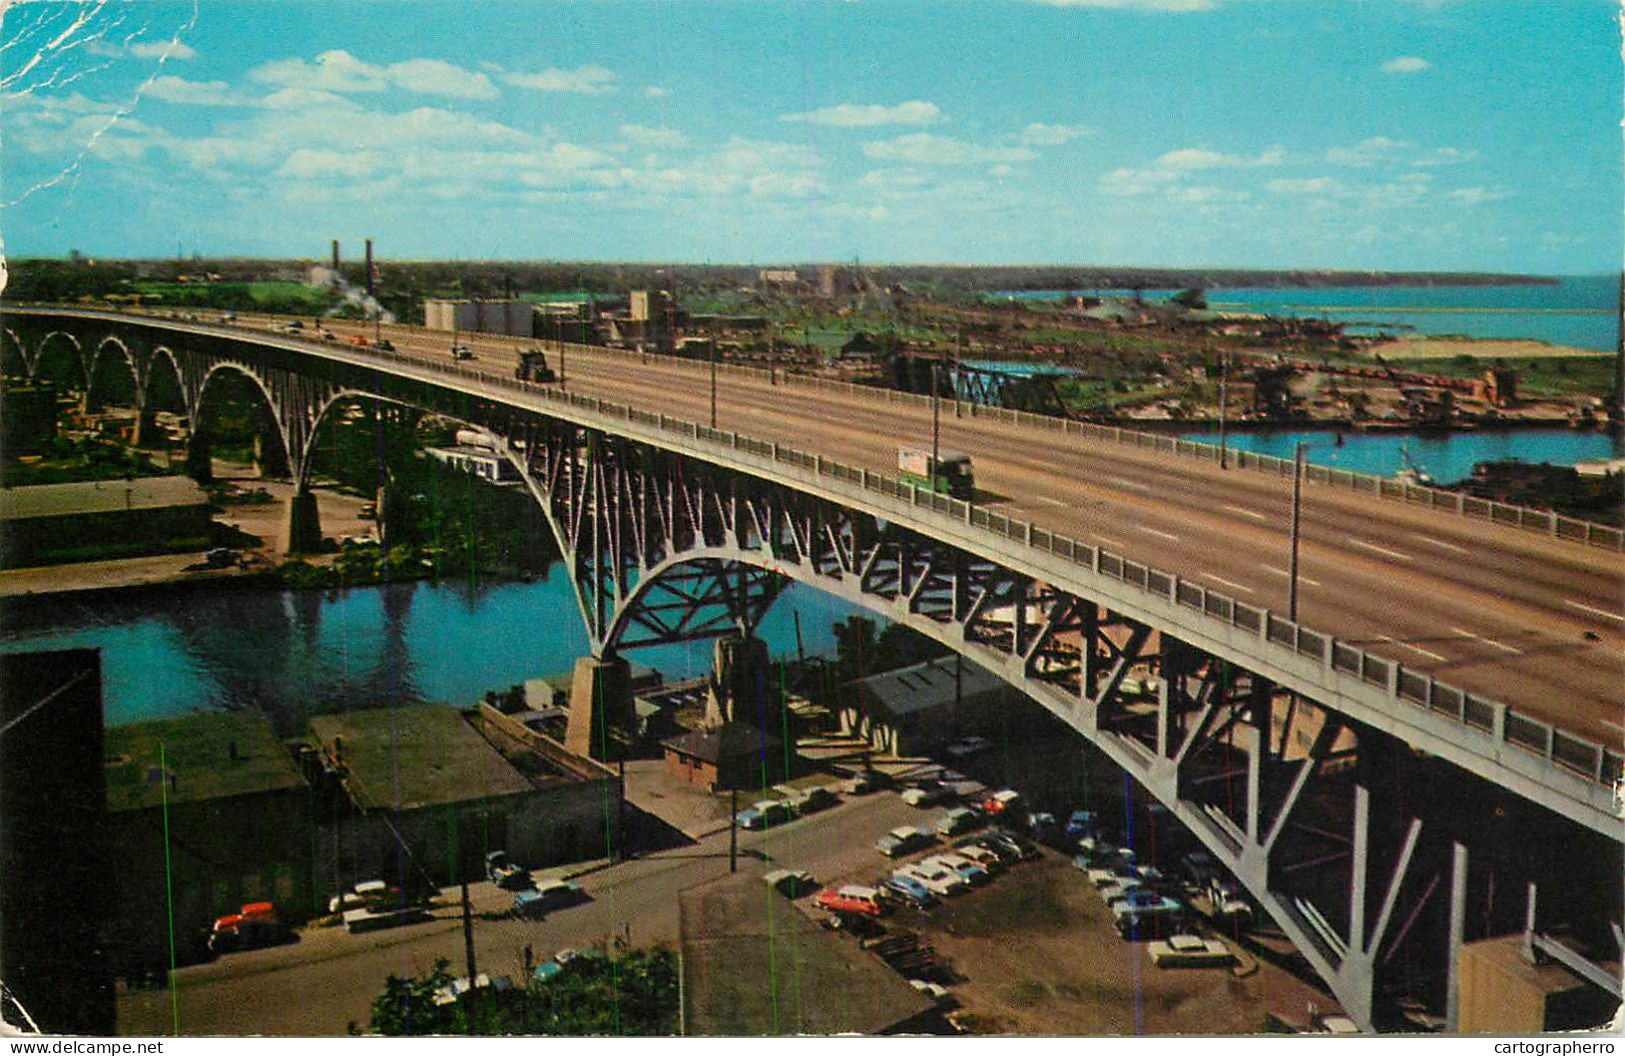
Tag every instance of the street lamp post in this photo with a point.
(713, 384)
(936, 423)
(1224, 401)
(1297, 502)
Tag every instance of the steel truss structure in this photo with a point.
(1316, 813)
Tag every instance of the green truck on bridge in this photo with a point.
(951, 474)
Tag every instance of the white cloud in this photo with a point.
(645, 136)
(1477, 195)
(1039, 134)
(1137, 5)
(1445, 156)
(654, 91)
(162, 49)
(870, 115)
(1312, 185)
(924, 148)
(1137, 182)
(339, 71)
(193, 93)
(1199, 158)
(1367, 151)
(1404, 64)
(585, 80)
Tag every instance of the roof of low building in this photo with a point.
(99, 496)
(728, 741)
(927, 685)
(404, 758)
(755, 966)
(211, 755)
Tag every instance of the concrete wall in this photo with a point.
(90, 536)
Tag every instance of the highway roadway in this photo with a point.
(1511, 615)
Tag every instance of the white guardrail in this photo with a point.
(1576, 755)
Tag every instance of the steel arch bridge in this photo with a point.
(1306, 783)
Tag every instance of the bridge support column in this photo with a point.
(146, 428)
(600, 702)
(198, 463)
(269, 457)
(741, 689)
(302, 532)
(1458, 935)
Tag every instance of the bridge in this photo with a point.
(1324, 759)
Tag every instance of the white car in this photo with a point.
(937, 878)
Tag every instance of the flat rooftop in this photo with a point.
(932, 684)
(404, 758)
(754, 965)
(99, 496)
(211, 755)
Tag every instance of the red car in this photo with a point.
(853, 900)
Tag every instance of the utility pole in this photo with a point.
(733, 833)
(468, 934)
(1224, 400)
(713, 384)
(1297, 502)
(936, 423)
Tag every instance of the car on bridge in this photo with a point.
(461, 352)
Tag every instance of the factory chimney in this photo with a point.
(335, 254)
(369, 268)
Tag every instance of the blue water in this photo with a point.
(1447, 457)
(1581, 311)
(291, 654)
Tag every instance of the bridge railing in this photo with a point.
(1578, 755)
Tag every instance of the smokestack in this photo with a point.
(369, 267)
(335, 254)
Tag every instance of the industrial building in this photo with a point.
(914, 709)
(513, 318)
(733, 755)
(481, 462)
(52, 523)
(208, 812)
(438, 789)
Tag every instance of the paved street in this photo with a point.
(328, 979)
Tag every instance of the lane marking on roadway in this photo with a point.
(1488, 641)
(1254, 514)
(1598, 612)
(1415, 648)
(1283, 573)
(1052, 502)
(1395, 554)
(1109, 541)
(1614, 725)
(1232, 584)
(1170, 536)
(1440, 543)
(1126, 483)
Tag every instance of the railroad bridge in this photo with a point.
(1364, 805)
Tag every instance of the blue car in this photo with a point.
(1082, 823)
(911, 890)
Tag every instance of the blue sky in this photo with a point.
(1398, 134)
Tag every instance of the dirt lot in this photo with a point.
(1038, 955)
(1444, 348)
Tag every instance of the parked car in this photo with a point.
(811, 800)
(967, 748)
(982, 855)
(252, 926)
(504, 873)
(911, 889)
(1082, 823)
(866, 781)
(1024, 849)
(852, 899)
(1120, 889)
(903, 840)
(1041, 825)
(1001, 801)
(557, 894)
(926, 792)
(1148, 920)
(973, 874)
(528, 905)
(765, 813)
(958, 820)
(938, 878)
(791, 883)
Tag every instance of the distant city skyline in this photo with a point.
(1417, 135)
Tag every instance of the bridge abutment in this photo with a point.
(740, 687)
(302, 531)
(600, 701)
(199, 464)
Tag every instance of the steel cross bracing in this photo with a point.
(664, 544)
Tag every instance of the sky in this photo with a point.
(1347, 134)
